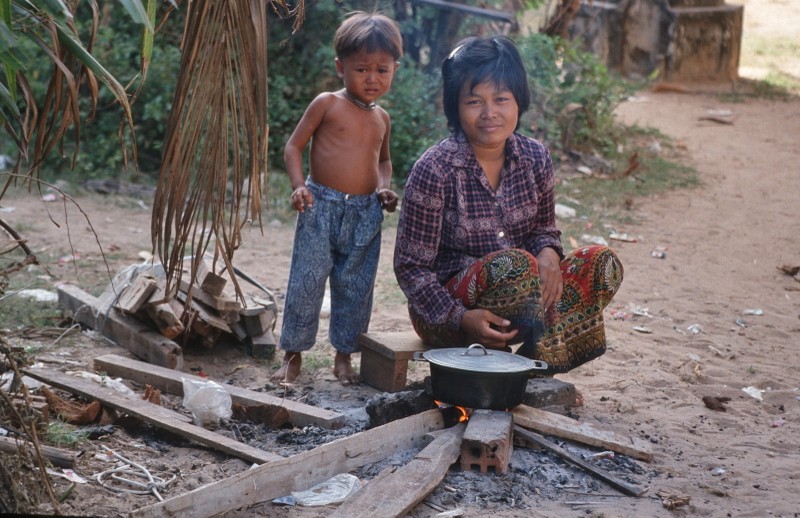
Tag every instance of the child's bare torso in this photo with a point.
(346, 148)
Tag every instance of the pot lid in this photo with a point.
(477, 358)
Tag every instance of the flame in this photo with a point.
(464, 411)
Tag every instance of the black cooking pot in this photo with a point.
(476, 377)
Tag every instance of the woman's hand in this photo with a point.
(550, 275)
(486, 328)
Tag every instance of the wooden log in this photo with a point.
(58, 457)
(124, 330)
(564, 427)
(169, 382)
(298, 472)
(397, 493)
(605, 476)
(154, 414)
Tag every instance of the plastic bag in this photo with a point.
(334, 490)
(207, 401)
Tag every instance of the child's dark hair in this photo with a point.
(479, 60)
(371, 32)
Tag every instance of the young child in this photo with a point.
(338, 232)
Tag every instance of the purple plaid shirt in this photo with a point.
(451, 216)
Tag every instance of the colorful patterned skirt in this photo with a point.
(507, 283)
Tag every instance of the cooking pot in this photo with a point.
(476, 377)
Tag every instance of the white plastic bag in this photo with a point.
(334, 490)
(207, 401)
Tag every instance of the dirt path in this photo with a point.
(724, 242)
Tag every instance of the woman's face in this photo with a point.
(488, 114)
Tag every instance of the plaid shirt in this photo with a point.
(450, 216)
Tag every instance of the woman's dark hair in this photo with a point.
(479, 60)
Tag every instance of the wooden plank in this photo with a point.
(137, 293)
(154, 414)
(562, 426)
(169, 382)
(538, 440)
(393, 345)
(218, 303)
(121, 329)
(298, 472)
(396, 494)
(58, 457)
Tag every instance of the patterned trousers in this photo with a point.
(507, 283)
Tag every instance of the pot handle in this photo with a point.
(539, 364)
(419, 356)
(475, 346)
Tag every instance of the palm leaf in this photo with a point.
(216, 137)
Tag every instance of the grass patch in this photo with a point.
(64, 435)
(604, 201)
(17, 311)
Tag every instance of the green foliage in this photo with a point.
(64, 435)
(417, 121)
(573, 96)
(120, 48)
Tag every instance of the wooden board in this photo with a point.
(137, 293)
(221, 303)
(124, 330)
(298, 472)
(169, 382)
(562, 426)
(154, 414)
(395, 494)
(393, 345)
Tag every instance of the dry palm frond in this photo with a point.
(216, 136)
(42, 124)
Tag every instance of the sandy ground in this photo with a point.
(724, 242)
(714, 317)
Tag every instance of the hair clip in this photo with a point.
(455, 51)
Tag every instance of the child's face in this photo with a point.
(488, 114)
(367, 75)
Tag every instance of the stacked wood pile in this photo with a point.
(204, 312)
(136, 312)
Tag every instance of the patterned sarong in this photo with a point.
(507, 283)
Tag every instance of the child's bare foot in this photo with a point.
(343, 370)
(289, 370)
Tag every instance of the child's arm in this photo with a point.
(296, 145)
(387, 197)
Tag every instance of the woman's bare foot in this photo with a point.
(343, 370)
(289, 370)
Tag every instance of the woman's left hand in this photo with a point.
(550, 275)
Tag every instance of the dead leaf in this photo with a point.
(716, 402)
(670, 501)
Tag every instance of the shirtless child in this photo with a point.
(340, 205)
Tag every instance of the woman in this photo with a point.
(478, 254)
